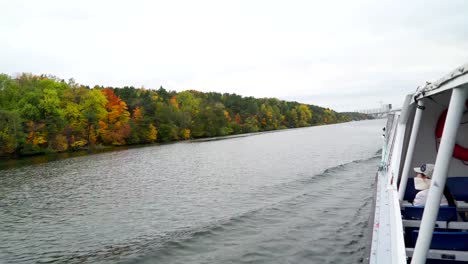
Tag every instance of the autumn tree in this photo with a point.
(304, 115)
(329, 116)
(189, 108)
(114, 129)
(93, 108)
(142, 131)
(43, 113)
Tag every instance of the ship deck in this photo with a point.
(387, 232)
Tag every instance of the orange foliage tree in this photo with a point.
(115, 128)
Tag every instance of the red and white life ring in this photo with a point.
(459, 152)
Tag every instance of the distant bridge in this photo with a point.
(377, 112)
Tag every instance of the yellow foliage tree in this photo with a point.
(153, 133)
(185, 133)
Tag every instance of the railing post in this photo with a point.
(409, 154)
(444, 156)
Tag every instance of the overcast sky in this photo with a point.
(345, 55)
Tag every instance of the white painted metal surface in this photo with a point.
(409, 155)
(420, 147)
(381, 242)
(387, 237)
(444, 156)
(449, 81)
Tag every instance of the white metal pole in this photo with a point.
(444, 156)
(409, 154)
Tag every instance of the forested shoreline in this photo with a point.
(45, 114)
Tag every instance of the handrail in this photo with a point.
(410, 152)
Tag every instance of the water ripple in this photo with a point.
(296, 196)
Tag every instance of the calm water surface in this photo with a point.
(295, 196)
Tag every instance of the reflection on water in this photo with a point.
(6, 163)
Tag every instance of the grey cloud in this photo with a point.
(363, 52)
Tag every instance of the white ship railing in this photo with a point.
(444, 155)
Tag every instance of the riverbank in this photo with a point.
(44, 114)
(13, 162)
(42, 157)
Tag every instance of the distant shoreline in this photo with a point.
(12, 162)
(43, 115)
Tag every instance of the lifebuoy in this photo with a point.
(459, 152)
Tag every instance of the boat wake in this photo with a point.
(279, 230)
(313, 219)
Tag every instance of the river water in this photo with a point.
(293, 196)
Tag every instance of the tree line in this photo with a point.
(42, 114)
